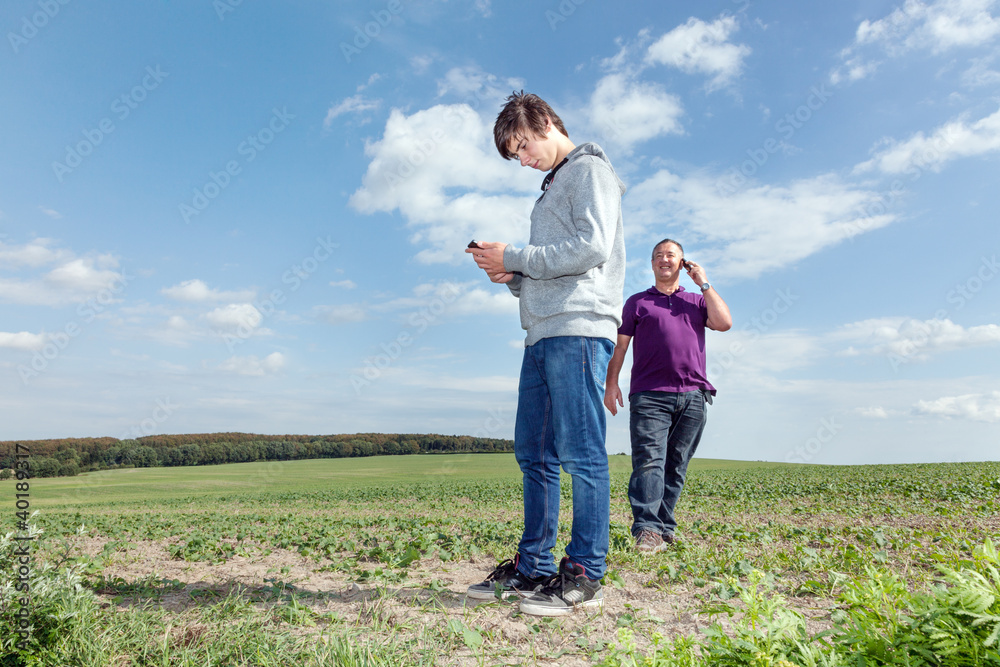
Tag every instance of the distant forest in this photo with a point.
(71, 456)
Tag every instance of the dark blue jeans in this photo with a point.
(560, 421)
(665, 429)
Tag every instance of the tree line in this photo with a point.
(65, 457)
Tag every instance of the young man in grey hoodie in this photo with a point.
(569, 281)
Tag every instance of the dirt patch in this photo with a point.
(431, 595)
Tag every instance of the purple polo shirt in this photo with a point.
(668, 340)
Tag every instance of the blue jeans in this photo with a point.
(560, 420)
(665, 429)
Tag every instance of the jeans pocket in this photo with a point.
(600, 356)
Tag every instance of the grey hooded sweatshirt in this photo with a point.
(570, 276)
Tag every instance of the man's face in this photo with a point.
(667, 261)
(537, 152)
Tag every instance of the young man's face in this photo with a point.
(536, 152)
(667, 261)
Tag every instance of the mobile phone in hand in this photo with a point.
(686, 264)
(473, 244)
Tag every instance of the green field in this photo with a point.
(148, 484)
(365, 561)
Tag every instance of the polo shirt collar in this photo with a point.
(653, 290)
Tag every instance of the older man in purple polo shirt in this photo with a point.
(669, 389)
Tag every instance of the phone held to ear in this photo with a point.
(686, 264)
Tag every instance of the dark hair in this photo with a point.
(523, 114)
(667, 241)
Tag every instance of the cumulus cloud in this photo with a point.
(972, 407)
(37, 252)
(700, 47)
(757, 229)
(345, 284)
(251, 365)
(71, 280)
(951, 141)
(627, 112)
(937, 27)
(195, 291)
(874, 412)
(23, 340)
(910, 339)
(439, 168)
(235, 316)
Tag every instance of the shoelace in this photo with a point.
(550, 585)
(502, 569)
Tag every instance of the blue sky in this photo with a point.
(236, 216)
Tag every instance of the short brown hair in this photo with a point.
(523, 114)
(667, 241)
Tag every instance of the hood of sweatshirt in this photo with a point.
(581, 151)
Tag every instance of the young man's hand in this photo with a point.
(489, 258)
(504, 277)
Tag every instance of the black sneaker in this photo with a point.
(563, 593)
(508, 581)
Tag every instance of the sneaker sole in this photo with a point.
(513, 594)
(527, 607)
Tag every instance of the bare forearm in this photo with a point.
(719, 318)
(618, 358)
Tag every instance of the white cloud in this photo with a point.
(749, 355)
(628, 112)
(913, 340)
(757, 229)
(972, 407)
(85, 274)
(421, 63)
(951, 141)
(440, 169)
(52, 213)
(196, 290)
(980, 73)
(251, 365)
(346, 284)
(467, 83)
(370, 82)
(23, 340)
(854, 69)
(437, 300)
(175, 331)
(874, 412)
(937, 27)
(235, 316)
(73, 280)
(34, 253)
(702, 47)
(343, 314)
(354, 104)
